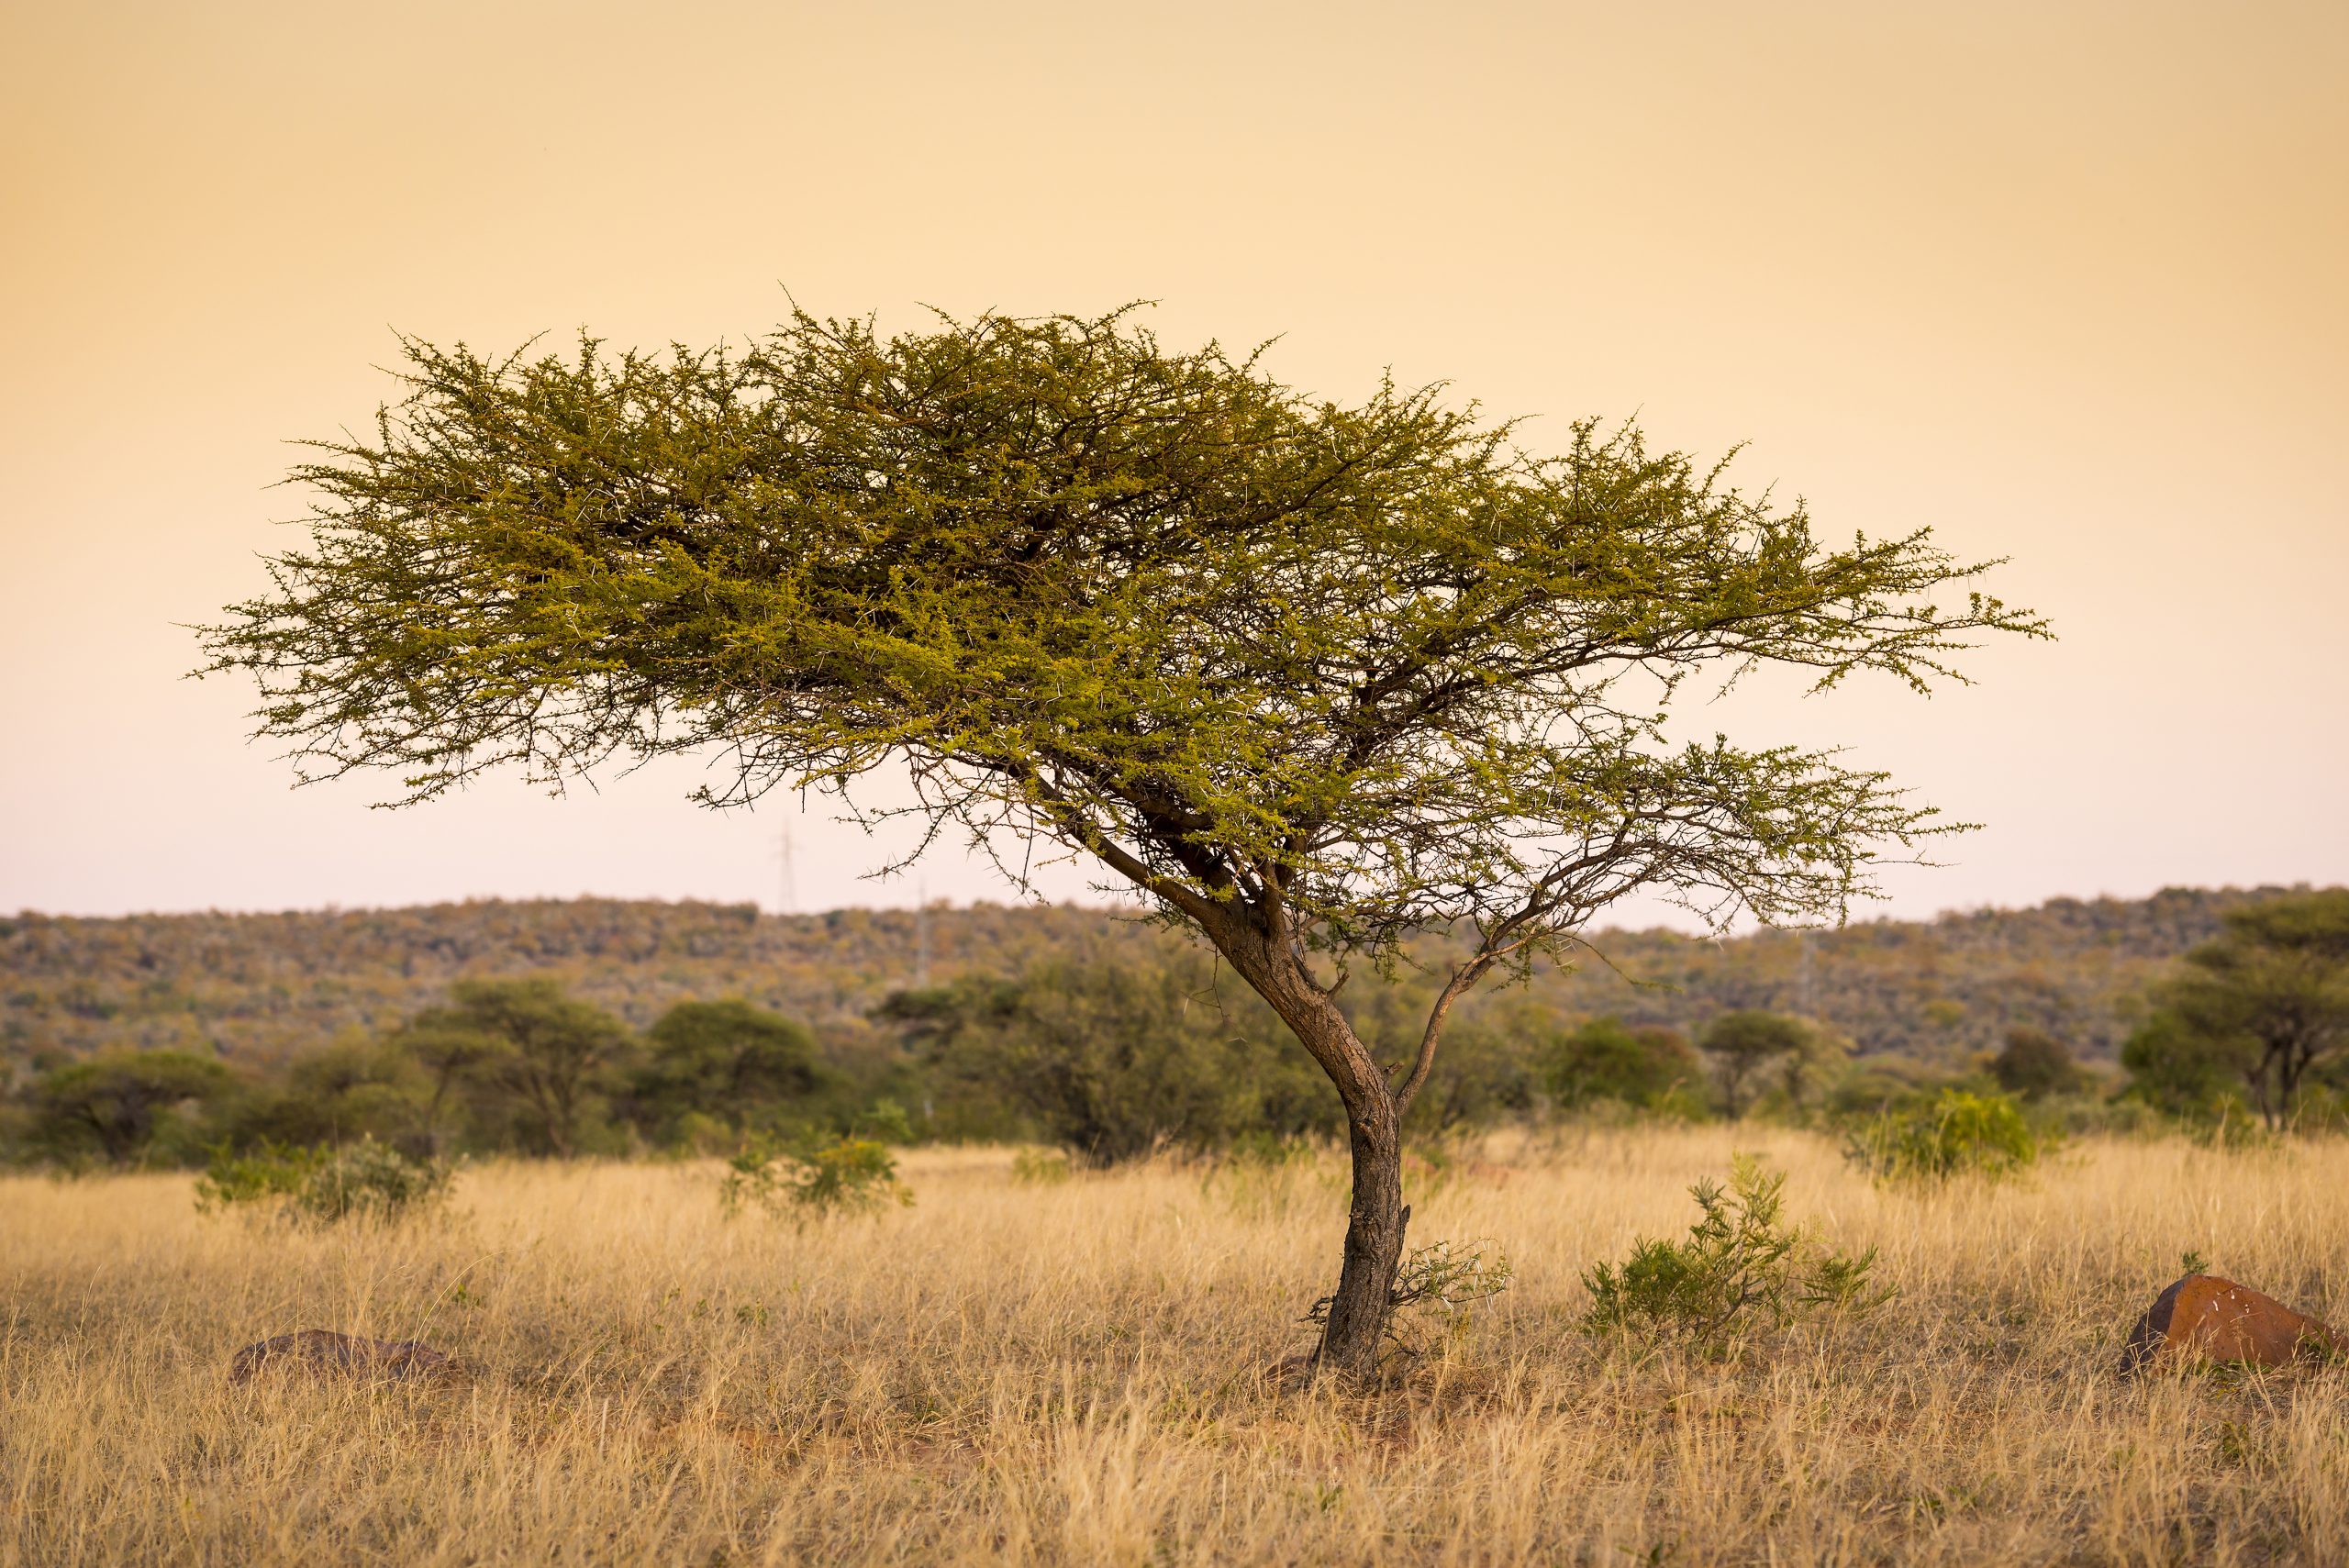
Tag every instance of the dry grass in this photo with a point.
(1071, 1374)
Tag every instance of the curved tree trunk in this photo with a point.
(1358, 1310)
(1356, 1329)
(1374, 1224)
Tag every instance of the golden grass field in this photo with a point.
(1073, 1374)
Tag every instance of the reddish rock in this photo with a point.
(323, 1351)
(2205, 1318)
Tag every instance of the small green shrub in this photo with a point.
(847, 1175)
(366, 1180)
(1439, 1287)
(1740, 1268)
(268, 1172)
(1956, 1133)
(1040, 1167)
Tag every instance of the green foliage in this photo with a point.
(1152, 605)
(552, 1059)
(1745, 1042)
(364, 1181)
(1740, 1270)
(2033, 1064)
(1649, 1067)
(728, 1061)
(1112, 1059)
(370, 1181)
(269, 1172)
(2185, 1073)
(1040, 1167)
(122, 1104)
(813, 1178)
(1956, 1133)
(1802, 1082)
(2263, 1005)
(350, 1088)
(1441, 1286)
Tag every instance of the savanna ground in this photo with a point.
(1073, 1374)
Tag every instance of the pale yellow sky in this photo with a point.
(2064, 282)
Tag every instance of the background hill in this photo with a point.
(259, 988)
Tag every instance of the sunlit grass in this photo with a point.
(1074, 1373)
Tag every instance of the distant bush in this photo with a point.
(1650, 1067)
(1958, 1133)
(726, 1062)
(845, 1175)
(2033, 1064)
(1040, 1167)
(1114, 1060)
(1740, 1268)
(349, 1088)
(532, 1057)
(362, 1181)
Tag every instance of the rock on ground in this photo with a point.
(2204, 1317)
(323, 1351)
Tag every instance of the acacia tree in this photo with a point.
(727, 1060)
(550, 1051)
(1312, 677)
(1741, 1043)
(2267, 997)
(121, 1100)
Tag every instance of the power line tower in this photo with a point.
(1810, 999)
(921, 937)
(787, 889)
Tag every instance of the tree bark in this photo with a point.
(1263, 950)
(1356, 1328)
(1374, 1224)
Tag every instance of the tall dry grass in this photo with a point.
(1071, 1374)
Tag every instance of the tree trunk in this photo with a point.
(2261, 1099)
(2289, 1066)
(1358, 1313)
(1356, 1329)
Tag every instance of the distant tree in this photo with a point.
(1808, 1073)
(553, 1056)
(1743, 1044)
(2183, 1073)
(2269, 998)
(727, 1061)
(1605, 1059)
(1485, 1073)
(1110, 1059)
(1313, 678)
(2034, 1064)
(451, 1048)
(121, 1100)
(347, 1089)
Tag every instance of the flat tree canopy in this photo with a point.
(1312, 676)
(2266, 1000)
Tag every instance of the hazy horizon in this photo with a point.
(2060, 281)
(1859, 915)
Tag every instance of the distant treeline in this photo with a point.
(261, 989)
(1129, 1038)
